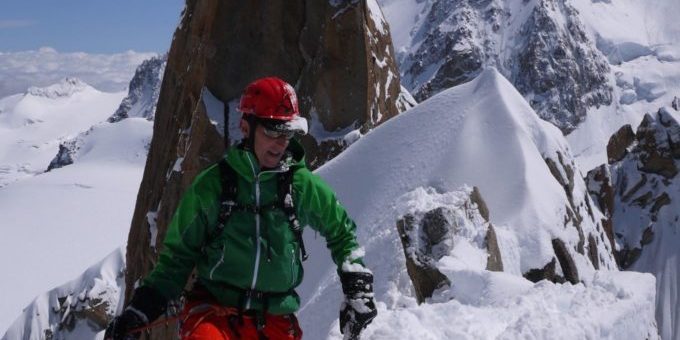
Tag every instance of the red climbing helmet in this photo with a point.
(271, 98)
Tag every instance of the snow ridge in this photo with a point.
(79, 309)
(65, 88)
(484, 134)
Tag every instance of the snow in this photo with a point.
(632, 20)
(103, 282)
(67, 219)
(33, 126)
(214, 108)
(484, 134)
(643, 44)
(525, 196)
(320, 133)
(492, 305)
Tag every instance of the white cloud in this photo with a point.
(46, 66)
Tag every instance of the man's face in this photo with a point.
(268, 150)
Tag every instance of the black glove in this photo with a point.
(358, 309)
(147, 304)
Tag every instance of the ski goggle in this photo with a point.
(276, 134)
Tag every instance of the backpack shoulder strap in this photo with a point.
(227, 196)
(287, 204)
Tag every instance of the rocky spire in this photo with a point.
(144, 90)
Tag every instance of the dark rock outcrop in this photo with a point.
(494, 261)
(589, 224)
(566, 261)
(559, 68)
(336, 54)
(426, 278)
(71, 308)
(618, 144)
(144, 90)
(659, 144)
(602, 191)
(639, 181)
(65, 155)
(545, 273)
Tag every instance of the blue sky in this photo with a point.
(92, 26)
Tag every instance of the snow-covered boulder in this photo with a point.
(454, 224)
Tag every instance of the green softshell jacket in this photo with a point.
(235, 258)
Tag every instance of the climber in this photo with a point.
(239, 224)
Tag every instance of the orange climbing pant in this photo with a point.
(208, 321)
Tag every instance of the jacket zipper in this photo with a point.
(258, 237)
(293, 273)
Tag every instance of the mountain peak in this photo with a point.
(144, 90)
(65, 88)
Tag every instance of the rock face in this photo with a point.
(590, 227)
(639, 193)
(65, 155)
(540, 46)
(430, 234)
(638, 181)
(337, 55)
(144, 90)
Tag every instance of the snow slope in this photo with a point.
(101, 286)
(34, 123)
(642, 42)
(484, 134)
(57, 223)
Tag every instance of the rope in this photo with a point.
(211, 310)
